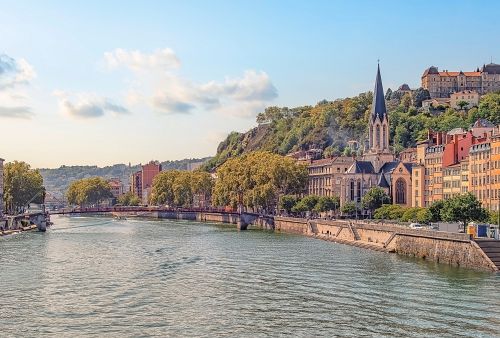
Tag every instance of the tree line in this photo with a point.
(22, 186)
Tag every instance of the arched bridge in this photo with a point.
(223, 215)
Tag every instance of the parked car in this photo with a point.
(416, 226)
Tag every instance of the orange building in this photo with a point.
(480, 170)
(495, 172)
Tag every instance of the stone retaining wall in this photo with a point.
(444, 247)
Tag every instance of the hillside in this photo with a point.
(56, 181)
(329, 125)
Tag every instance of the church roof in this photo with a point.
(378, 104)
(382, 182)
(361, 167)
(389, 166)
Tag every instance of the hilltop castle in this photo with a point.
(443, 84)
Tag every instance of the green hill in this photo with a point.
(329, 125)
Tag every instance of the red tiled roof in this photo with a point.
(456, 73)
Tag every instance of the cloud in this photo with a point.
(87, 106)
(19, 112)
(14, 72)
(160, 60)
(253, 86)
(168, 93)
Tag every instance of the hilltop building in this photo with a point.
(441, 84)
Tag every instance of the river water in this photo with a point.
(90, 276)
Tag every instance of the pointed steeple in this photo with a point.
(378, 104)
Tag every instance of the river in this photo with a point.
(96, 276)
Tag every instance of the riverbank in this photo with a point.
(438, 246)
(443, 247)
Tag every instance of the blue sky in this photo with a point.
(94, 82)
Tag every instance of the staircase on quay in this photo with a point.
(491, 247)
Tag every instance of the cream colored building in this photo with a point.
(469, 96)
(325, 175)
(444, 83)
(452, 181)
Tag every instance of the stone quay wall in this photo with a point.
(438, 246)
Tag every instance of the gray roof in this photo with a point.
(389, 166)
(382, 182)
(361, 167)
(483, 123)
(378, 104)
(491, 68)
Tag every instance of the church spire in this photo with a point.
(378, 104)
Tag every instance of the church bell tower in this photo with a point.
(378, 130)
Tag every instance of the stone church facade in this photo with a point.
(378, 166)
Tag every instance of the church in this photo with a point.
(378, 166)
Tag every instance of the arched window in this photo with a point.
(384, 136)
(358, 192)
(400, 191)
(377, 142)
(371, 136)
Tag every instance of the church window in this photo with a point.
(378, 137)
(384, 133)
(400, 191)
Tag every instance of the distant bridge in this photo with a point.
(134, 209)
(224, 215)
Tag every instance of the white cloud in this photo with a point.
(168, 93)
(87, 106)
(160, 60)
(14, 72)
(253, 86)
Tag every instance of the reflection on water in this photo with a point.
(105, 277)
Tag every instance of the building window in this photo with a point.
(384, 133)
(378, 137)
(351, 192)
(400, 191)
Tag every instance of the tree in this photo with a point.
(325, 204)
(257, 180)
(388, 94)
(349, 208)
(287, 203)
(389, 211)
(435, 211)
(464, 208)
(22, 185)
(374, 198)
(420, 95)
(462, 104)
(129, 199)
(181, 188)
(88, 191)
(489, 107)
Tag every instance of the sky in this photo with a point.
(104, 82)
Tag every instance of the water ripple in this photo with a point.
(98, 277)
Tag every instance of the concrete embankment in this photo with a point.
(443, 247)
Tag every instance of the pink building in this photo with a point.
(142, 181)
